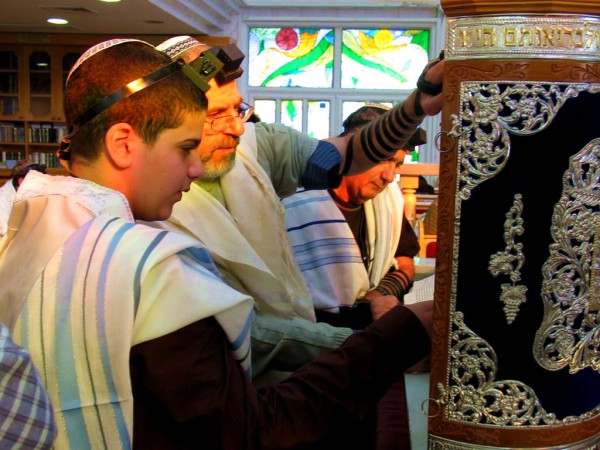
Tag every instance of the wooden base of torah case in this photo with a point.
(516, 345)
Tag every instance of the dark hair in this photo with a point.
(254, 118)
(149, 111)
(361, 117)
(22, 168)
(368, 113)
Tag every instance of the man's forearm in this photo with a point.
(382, 138)
(394, 283)
(287, 344)
(350, 378)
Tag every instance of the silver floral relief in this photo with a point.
(510, 260)
(489, 111)
(472, 394)
(569, 334)
(595, 284)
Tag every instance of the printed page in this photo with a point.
(421, 291)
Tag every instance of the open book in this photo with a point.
(421, 291)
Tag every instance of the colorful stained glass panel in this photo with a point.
(383, 58)
(291, 113)
(290, 57)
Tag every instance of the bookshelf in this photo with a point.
(32, 77)
(37, 141)
(33, 71)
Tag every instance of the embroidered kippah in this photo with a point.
(97, 49)
(175, 46)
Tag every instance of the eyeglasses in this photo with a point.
(221, 123)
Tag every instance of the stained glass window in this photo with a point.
(291, 113)
(383, 58)
(312, 78)
(290, 57)
(304, 57)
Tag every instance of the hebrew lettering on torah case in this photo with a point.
(522, 344)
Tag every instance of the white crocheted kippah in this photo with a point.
(175, 46)
(97, 49)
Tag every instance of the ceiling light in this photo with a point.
(110, 1)
(57, 21)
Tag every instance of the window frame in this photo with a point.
(336, 96)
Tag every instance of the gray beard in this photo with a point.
(214, 171)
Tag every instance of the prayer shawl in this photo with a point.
(112, 284)
(326, 250)
(7, 196)
(247, 240)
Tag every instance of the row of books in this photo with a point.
(46, 133)
(9, 159)
(11, 133)
(48, 158)
(37, 133)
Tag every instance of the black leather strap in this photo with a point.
(425, 86)
(418, 108)
(202, 71)
(126, 91)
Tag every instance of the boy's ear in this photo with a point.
(120, 145)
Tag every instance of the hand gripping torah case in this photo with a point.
(516, 344)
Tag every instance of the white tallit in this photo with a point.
(384, 224)
(104, 286)
(7, 196)
(326, 251)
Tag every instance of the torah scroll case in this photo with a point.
(516, 344)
